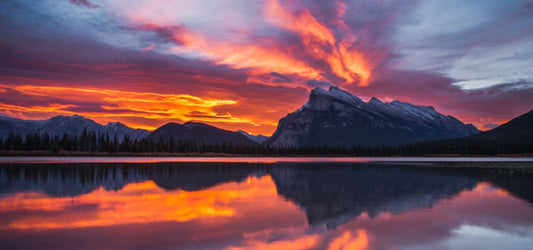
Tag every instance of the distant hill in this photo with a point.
(199, 133)
(71, 125)
(513, 137)
(518, 130)
(335, 117)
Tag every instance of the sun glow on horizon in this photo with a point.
(243, 65)
(117, 104)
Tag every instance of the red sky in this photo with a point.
(245, 64)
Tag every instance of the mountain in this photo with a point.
(120, 130)
(200, 133)
(10, 125)
(518, 130)
(72, 125)
(513, 137)
(256, 138)
(335, 117)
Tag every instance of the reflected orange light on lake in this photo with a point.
(250, 214)
(143, 202)
(485, 189)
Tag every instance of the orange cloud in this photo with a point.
(304, 23)
(52, 108)
(259, 60)
(115, 103)
(344, 61)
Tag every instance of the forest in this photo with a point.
(93, 142)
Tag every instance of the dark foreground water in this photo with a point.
(279, 205)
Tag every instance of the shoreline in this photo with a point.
(208, 154)
(463, 161)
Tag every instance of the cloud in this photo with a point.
(148, 48)
(343, 59)
(301, 45)
(316, 83)
(270, 53)
(280, 78)
(490, 125)
(99, 103)
(481, 45)
(84, 3)
(207, 115)
(496, 104)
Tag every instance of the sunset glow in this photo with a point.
(245, 64)
(118, 104)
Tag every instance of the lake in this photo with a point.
(266, 203)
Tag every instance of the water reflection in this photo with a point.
(333, 195)
(258, 206)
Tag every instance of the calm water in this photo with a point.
(266, 204)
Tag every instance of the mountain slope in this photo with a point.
(198, 132)
(256, 138)
(71, 125)
(513, 137)
(519, 129)
(121, 130)
(10, 125)
(336, 117)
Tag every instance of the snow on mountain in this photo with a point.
(336, 117)
(256, 138)
(121, 130)
(72, 125)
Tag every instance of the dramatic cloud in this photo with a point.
(467, 59)
(103, 104)
(316, 83)
(477, 43)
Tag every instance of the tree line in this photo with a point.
(90, 141)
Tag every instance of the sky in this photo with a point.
(241, 64)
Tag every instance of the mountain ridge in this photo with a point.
(519, 128)
(512, 137)
(256, 138)
(199, 133)
(335, 117)
(71, 125)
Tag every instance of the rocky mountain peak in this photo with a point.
(336, 117)
(376, 101)
(72, 125)
(321, 99)
(256, 138)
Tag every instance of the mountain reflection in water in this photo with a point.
(281, 205)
